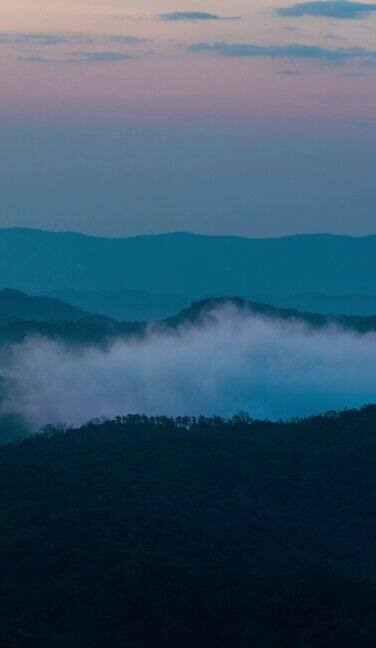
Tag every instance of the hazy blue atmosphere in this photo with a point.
(221, 177)
(187, 324)
(126, 118)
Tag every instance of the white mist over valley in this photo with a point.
(229, 362)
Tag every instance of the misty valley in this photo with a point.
(171, 481)
(219, 356)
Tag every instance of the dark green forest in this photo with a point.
(153, 532)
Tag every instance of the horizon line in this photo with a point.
(186, 233)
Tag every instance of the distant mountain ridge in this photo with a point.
(187, 264)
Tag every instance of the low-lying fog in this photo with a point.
(230, 362)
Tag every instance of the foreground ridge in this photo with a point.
(155, 531)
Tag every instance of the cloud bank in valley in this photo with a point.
(230, 362)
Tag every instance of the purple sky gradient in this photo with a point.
(200, 92)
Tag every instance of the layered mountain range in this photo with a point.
(152, 277)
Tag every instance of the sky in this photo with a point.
(121, 118)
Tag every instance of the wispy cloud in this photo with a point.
(354, 74)
(83, 57)
(32, 48)
(44, 39)
(49, 39)
(126, 40)
(33, 59)
(293, 51)
(193, 16)
(101, 57)
(334, 37)
(288, 72)
(339, 9)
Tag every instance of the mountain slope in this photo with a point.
(188, 264)
(135, 305)
(22, 315)
(18, 305)
(205, 308)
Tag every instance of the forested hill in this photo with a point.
(22, 315)
(191, 532)
(15, 304)
(188, 265)
(50, 318)
(204, 309)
